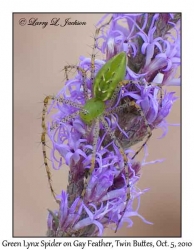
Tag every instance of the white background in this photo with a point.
(95, 6)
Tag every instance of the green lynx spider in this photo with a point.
(106, 86)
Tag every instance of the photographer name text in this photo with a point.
(53, 22)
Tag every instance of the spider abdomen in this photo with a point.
(91, 110)
(109, 76)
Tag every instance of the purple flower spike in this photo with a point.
(104, 172)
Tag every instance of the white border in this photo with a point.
(7, 7)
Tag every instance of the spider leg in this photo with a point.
(159, 85)
(112, 111)
(113, 97)
(69, 102)
(96, 130)
(113, 137)
(44, 131)
(43, 141)
(122, 152)
(161, 97)
(94, 48)
(115, 93)
(65, 120)
(47, 167)
(83, 73)
(149, 134)
(118, 108)
(149, 131)
(122, 83)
